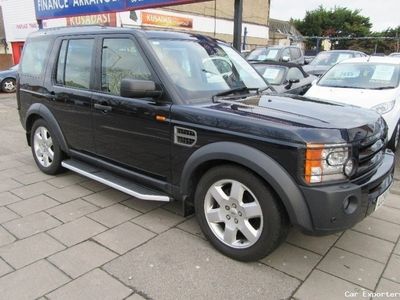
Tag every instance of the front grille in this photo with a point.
(370, 152)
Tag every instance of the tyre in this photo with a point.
(9, 85)
(394, 141)
(239, 214)
(45, 148)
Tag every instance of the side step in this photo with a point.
(114, 181)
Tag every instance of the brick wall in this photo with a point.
(5, 61)
(254, 11)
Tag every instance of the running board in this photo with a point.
(114, 181)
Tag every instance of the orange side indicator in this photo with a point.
(313, 160)
(161, 118)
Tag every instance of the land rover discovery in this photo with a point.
(170, 116)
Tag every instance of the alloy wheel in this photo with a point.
(43, 146)
(233, 213)
(9, 86)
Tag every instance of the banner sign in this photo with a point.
(166, 20)
(48, 9)
(102, 19)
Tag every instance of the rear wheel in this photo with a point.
(394, 141)
(239, 214)
(45, 148)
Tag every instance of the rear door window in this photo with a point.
(74, 63)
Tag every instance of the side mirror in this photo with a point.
(314, 82)
(285, 58)
(133, 88)
(291, 82)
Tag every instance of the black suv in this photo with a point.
(176, 116)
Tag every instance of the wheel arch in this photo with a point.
(39, 111)
(261, 164)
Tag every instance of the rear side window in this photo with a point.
(74, 63)
(34, 58)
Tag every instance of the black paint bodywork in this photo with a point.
(266, 133)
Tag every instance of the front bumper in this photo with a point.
(339, 207)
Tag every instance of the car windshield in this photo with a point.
(395, 55)
(201, 69)
(273, 74)
(261, 54)
(330, 58)
(362, 76)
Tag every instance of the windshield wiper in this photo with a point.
(233, 91)
(384, 88)
(210, 72)
(268, 87)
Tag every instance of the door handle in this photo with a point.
(103, 108)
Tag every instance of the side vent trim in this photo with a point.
(184, 136)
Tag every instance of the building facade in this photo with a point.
(213, 18)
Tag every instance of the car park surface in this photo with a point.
(69, 237)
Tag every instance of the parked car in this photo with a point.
(277, 53)
(370, 82)
(285, 77)
(8, 79)
(174, 116)
(395, 54)
(325, 60)
(308, 59)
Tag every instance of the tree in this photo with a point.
(336, 22)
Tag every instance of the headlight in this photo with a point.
(384, 107)
(328, 163)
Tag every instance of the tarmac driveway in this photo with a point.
(66, 237)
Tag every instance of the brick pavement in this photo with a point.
(67, 237)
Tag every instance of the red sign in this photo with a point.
(166, 20)
(100, 19)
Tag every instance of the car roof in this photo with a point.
(97, 29)
(373, 59)
(275, 63)
(276, 47)
(341, 51)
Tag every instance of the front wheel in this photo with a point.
(45, 148)
(239, 213)
(394, 141)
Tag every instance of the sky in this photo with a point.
(382, 13)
